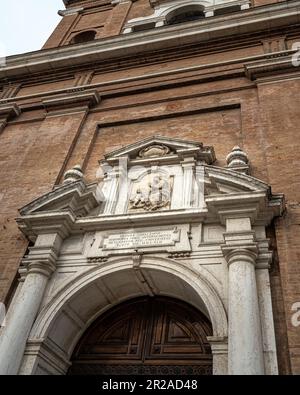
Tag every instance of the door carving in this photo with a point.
(146, 336)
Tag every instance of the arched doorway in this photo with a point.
(158, 335)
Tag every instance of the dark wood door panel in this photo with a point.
(146, 334)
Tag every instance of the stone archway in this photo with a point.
(61, 323)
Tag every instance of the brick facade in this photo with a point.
(198, 91)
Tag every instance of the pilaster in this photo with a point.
(188, 166)
(219, 349)
(113, 185)
(8, 111)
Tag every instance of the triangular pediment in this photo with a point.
(162, 148)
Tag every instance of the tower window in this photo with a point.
(185, 14)
(84, 37)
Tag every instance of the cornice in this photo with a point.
(72, 99)
(252, 20)
(33, 225)
(9, 111)
(270, 66)
(68, 208)
(70, 11)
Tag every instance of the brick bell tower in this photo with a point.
(88, 20)
(207, 89)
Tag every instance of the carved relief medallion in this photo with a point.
(155, 150)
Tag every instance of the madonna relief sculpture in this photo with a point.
(151, 193)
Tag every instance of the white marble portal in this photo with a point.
(194, 232)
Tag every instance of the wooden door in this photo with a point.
(151, 336)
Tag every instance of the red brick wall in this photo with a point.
(216, 105)
(279, 107)
(32, 155)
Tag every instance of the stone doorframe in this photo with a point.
(42, 353)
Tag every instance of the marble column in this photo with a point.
(245, 340)
(245, 347)
(14, 337)
(40, 263)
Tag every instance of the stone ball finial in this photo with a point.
(73, 174)
(237, 159)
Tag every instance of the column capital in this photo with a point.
(38, 265)
(188, 162)
(240, 246)
(265, 255)
(46, 268)
(42, 256)
(219, 349)
(219, 345)
(240, 254)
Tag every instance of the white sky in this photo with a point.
(25, 25)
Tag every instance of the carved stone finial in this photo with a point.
(73, 174)
(238, 160)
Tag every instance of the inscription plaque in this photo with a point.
(141, 239)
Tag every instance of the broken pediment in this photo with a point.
(227, 181)
(76, 196)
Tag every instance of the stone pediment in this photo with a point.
(162, 149)
(76, 197)
(218, 181)
(228, 192)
